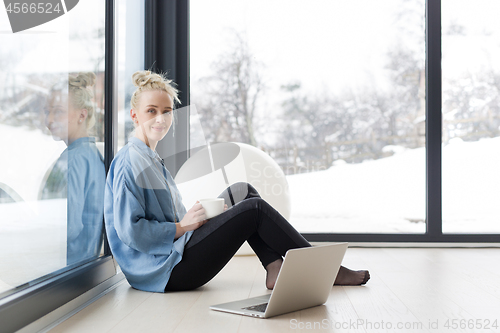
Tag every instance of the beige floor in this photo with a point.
(411, 290)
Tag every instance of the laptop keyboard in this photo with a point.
(260, 307)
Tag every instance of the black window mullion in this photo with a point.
(182, 79)
(167, 51)
(433, 123)
(110, 120)
(150, 28)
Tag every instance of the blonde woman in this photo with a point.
(79, 173)
(159, 245)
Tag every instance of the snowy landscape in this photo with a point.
(388, 195)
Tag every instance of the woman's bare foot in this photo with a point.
(347, 277)
(272, 273)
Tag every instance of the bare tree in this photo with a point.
(314, 124)
(228, 98)
(471, 106)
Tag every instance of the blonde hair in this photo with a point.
(146, 81)
(81, 94)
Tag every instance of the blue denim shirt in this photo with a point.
(79, 176)
(139, 217)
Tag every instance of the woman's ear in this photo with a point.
(83, 115)
(133, 115)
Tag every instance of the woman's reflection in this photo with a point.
(78, 174)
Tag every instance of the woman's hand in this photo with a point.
(225, 207)
(194, 218)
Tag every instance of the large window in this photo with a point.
(334, 91)
(52, 133)
(379, 140)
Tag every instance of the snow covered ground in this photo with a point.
(388, 195)
(374, 196)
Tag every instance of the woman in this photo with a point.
(79, 173)
(157, 243)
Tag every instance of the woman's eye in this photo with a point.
(151, 110)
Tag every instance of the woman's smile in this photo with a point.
(159, 128)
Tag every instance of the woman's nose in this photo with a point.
(49, 117)
(160, 119)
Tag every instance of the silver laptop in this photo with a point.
(305, 280)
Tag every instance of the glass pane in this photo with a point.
(130, 57)
(333, 91)
(51, 127)
(471, 116)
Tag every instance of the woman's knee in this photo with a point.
(245, 190)
(252, 192)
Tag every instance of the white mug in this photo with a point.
(213, 206)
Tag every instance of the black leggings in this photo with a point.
(249, 218)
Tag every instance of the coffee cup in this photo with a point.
(213, 206)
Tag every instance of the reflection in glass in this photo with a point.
(49, 170)
(32, 231)
(78, 174)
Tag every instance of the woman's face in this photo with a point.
(153, 114)
(62, 119)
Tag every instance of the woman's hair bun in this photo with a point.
(82, 80)
(142, 78)
(147, 80)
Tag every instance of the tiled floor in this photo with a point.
(411, 290)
